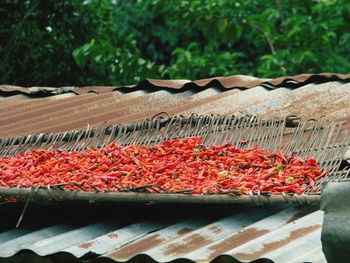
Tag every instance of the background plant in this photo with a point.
(106, 42)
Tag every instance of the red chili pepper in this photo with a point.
(173, 165)
(311, 182)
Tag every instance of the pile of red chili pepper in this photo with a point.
(174, 165)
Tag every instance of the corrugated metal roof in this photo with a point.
(280, 234)
(21, 115)
(235, 81)
(164, 235)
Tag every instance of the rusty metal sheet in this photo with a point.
(108, 241)
(331, 100)
(279, 238)
(311, 100)
(18, 97)
(10, 247)
(155, 239)
(297, 251)
(246, 235)
(62, 96)
(94, 89)
(230, 102)
(180, 247)
(235, 81)
(46, 113)
(68, 111)
(79, 111)
(249, 233)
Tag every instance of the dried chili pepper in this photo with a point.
(174, 165)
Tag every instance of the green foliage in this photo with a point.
(106, 42)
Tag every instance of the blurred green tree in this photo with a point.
(118, 42)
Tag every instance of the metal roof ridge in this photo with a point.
(224, 82)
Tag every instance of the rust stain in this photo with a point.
(303, 212)
(190, 243)
(184, 231)
(277, 244)
(112, 235)
(86, 245)
(137, 247)
(215, 229)
(235, 241)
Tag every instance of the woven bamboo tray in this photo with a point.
(326, 141)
